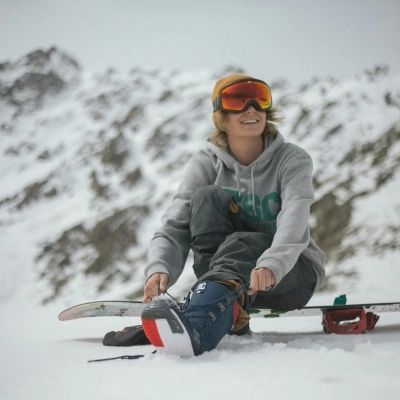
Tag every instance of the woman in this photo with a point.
(243, 208)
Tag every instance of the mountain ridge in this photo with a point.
(90, 161)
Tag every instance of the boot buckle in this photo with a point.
(212, 315)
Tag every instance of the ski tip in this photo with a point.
(63, 316)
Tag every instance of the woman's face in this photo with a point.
(248, 124)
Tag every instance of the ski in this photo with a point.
(125, 308)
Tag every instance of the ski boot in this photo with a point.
(196, 328)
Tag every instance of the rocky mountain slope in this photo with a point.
(90, 160)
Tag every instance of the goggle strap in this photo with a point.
(217, 103)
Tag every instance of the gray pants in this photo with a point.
(223, 250)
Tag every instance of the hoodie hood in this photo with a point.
(242, 172)
(270, 146)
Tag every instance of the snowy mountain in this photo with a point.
(89, 161)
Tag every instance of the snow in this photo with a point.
(65, 128)
(288, 358)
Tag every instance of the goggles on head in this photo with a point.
(237, 96)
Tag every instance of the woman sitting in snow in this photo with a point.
(243, 208)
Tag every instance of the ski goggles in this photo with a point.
(237, 96)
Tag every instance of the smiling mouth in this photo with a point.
(249, 121)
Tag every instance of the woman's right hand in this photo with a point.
(151, 287)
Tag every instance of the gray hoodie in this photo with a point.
(275, 193)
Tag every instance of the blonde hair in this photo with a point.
(219, 136)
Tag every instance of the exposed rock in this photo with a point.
(159, 141)
(116, 151)
(334, 130)
(98, 189)
(44, 156)
(32, 192)
(163, 137)
(331, 222)
(166, 95)
(30, 79)
(377, 73)
(132, 177)
(301, 119)
(134, 113)
(97, 250)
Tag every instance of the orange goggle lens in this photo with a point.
(236, 97)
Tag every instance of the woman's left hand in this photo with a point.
(261, 279)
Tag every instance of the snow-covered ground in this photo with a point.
(287, 358)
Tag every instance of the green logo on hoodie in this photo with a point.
(257, 210)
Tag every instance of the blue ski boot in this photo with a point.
(197, 327)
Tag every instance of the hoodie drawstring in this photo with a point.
(237, 173)
(253, 189)
(239, 185)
